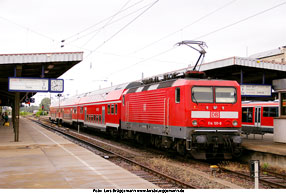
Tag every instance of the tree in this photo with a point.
(45, 104)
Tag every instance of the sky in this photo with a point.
(123, 40)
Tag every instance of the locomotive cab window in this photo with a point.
(225, 95)
(202, 94)
(177, 95)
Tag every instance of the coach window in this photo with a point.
(123, 99)
(247, 114)
(112, 109)
(74, 110)
(99, 118)
(283, 104)
(81, 110)
(108, 109)
(116, 109)
(178, 95)
(270, 111)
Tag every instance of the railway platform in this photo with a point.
(263, 148)
(42, 159)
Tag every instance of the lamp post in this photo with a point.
(59, 95)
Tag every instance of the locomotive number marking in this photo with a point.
(214, 114)
(217, 123)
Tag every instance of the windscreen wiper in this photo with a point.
(194, 98)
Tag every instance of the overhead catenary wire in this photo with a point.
(121, 29)
(186, 26)
(100, 28)
(108, 22)
(242, 20)
(142, 61)
(74, 36)
(207, 34)
(30, 30)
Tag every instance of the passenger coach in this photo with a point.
(257, 117)
(201, 117)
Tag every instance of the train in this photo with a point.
(257, 116)
(192, 116)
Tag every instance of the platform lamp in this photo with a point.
(59, 95)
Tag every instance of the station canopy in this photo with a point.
(245, 70)
(36, 65)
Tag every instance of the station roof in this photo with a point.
(253, 70)
(52, 65)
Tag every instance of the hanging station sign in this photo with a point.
(24, 84)
(253, 90)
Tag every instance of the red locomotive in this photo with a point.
(257, 117)
(197, 116)
(201, 117)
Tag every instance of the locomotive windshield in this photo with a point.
(225, 95)
(203, 94)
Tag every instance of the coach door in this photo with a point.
(257, 121)
(103, 114)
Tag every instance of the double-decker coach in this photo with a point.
(201, 117)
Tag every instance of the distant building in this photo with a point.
(273, 56)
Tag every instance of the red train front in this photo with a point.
(200, 117)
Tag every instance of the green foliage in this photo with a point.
(29, 109)
(46, 102)
(41, 113)
(265, 165)
(23, 113)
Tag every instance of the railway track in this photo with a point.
(147, 173)
(267, 177)
(123, 157)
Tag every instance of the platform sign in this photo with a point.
(23, 84)
(253, 90)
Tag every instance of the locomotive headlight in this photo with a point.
(234, 123)
(236, 139)
(195, 122)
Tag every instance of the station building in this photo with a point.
(30, 65)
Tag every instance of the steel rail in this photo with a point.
(91, 141)
(270, 183)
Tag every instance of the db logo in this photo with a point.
(214, 114)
